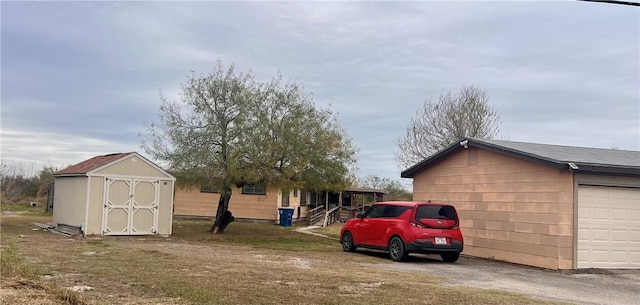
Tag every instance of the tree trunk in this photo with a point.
(223, 215)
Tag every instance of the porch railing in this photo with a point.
(352, 212)
(316, 215)
(331, 216)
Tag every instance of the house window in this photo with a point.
(303, 198)
(295, 193)
(285, 199)
(208, 189)
(312, 198)
(254, 190)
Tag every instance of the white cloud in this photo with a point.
(80, 79)
(58, 150)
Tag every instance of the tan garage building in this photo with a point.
(550, 206)
(114, 194)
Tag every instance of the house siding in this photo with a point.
(510, 209)
(192, 202)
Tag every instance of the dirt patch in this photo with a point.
(22, 291)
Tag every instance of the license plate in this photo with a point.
(441, 240)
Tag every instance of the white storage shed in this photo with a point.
(115, 194)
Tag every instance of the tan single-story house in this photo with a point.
(252, 202)
(114, 194)
(550, 206)
(248, 202)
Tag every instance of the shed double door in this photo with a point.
(130, 207)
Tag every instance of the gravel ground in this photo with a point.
(590, 287)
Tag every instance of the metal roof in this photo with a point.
(585, 159)
(566, 154)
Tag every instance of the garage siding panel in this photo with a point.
(608, 227)
(510, 209)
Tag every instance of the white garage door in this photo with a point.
(608, 227)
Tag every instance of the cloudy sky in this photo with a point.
(81, 79)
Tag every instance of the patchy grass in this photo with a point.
(22, 207)
(255, 235)
(249, 264)
(21, 283)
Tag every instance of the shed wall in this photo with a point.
(132, 167)
(70, 198)
(510, 209)
(192, 202)
(96, 201)
(165, 213)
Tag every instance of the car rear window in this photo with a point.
(436, 212)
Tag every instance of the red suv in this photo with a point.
(406, 227)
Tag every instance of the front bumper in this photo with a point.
(428, 247)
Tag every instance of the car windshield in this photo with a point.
(436, 212)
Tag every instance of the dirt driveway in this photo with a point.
(592, 287)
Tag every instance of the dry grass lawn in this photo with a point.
(249, 264)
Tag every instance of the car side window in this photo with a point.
(374, 211)
(394, 211)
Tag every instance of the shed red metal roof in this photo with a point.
(91, 164)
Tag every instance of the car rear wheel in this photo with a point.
(347, 242)
(397, 251)
(450, 257)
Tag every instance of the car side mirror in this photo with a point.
(360, 215)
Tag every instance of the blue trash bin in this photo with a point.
(286, 216)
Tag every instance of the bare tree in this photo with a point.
(394, 189)
(440, 122)
(17, 180)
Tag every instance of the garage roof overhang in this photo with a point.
(494, 146)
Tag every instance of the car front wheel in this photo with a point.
(450, 257)
(347, 242)
(397, 251)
